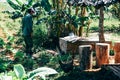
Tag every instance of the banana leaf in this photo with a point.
(19, 2)
(19, 71)
(42, 72)
(30, 2)
(46, 5)
(13, 5)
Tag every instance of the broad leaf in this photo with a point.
(13, 5)
(19, 71)
(46, 5)
(30, 2)
(42, 72)
(19, 2)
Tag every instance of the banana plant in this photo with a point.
(21, 6)
(41, 72)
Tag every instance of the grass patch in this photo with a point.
(111, 25)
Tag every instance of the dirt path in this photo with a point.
(2, 33)
(108, 36)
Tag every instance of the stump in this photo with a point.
(85, 54)
(117, 52)
(102, 54)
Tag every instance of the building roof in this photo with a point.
(95, 3)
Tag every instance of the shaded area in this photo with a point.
(102, 74)
(115, 68)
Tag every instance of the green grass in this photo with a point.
(109, 25)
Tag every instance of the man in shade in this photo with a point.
(27, 24)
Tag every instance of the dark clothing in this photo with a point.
(27, 25)
(29, 44)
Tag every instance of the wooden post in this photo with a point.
(102, 54)
(117, 52)
(85, 57)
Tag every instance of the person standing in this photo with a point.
(27, 25)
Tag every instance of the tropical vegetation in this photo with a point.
(53, 19)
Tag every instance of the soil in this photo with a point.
(2, 34)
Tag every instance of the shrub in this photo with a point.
(40, 35)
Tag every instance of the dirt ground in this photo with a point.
(108, 36)
(2, 34)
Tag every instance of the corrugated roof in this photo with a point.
(96, 3)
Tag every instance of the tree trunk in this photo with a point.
(101, 25)
(81, 31)
(83, 14)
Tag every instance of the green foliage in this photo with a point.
(30, 2)
(46, 5)
(111, 25)
(44, 58)
(12, 74)
(4, 64)
(28, 63)
(1, 43)
(41, 72)
(10, 42)
(19, 71)
(19, 2)
(112, 52)
(40, 35)
(11, 39)
(112, 28)
(115, 10)
(19, 57)
(13, 5)
(66, 57)
(53, 62)
(20, 7)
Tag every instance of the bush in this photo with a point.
(40, 35)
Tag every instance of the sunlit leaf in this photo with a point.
(19, 71)
(42, 72)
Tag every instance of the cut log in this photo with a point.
(102, 54)
(116, 49)
(85, 54)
